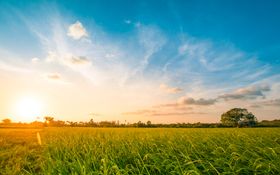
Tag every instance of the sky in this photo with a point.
(166, 61)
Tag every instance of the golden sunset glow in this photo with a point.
(123, 68)
(139, 87)
(28, 108)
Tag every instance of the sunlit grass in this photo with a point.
(19, 151)
(147, 151)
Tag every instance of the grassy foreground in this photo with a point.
(140, 151)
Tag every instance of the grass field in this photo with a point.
(140, 151)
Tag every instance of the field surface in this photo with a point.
(140, 151)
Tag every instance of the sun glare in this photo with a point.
(28, 109)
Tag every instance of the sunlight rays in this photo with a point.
(28, 108)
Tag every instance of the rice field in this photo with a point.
(140, 151)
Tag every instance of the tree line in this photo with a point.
(236, 117)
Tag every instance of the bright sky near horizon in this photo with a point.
(165, 61)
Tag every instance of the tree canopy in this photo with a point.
(238, 117)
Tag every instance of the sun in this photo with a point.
(28, 109)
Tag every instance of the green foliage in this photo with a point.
(141, 151)
(238, 117)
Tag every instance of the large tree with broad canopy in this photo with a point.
(238, 117)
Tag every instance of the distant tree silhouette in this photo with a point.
(267, 123)
(238, 117)
(91, 123)
(49, 120)
(7, 121)
(149, 124)
(140, 124)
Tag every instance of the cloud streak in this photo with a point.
(161, 113)
(267, 103)
(199, 102)
(275, 102)
(53, 76)
(79, 60)
(170, 90)
(247, 93)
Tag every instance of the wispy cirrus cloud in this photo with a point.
(12, 67)
(194, 60)
(103, 58)
(123, 70)
(135, 65)
(12, 62)
(204, 65)
(152, 40)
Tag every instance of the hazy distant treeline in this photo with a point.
(50, 122)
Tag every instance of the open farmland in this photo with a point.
(140, 151)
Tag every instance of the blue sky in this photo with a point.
(169, 61)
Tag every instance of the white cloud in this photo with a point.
(79, 60)
(170, 90)
(77, 31)
(35, 60)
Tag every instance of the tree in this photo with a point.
(149, 123)
(91, 123)
(7, 121)
(49, 120)
(140, 124)
(238, 117)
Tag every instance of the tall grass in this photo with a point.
(19, 151)
(162, 151)
(159, 151)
